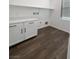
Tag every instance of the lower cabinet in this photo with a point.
(19, 32)
(30, 29)
(15, 33)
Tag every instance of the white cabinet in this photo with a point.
(31, 3)
(30, 29)
(15, 33)
(21, 31)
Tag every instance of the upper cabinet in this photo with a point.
(31, 3)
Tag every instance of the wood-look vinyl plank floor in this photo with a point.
(50, 43)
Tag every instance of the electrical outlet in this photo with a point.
(37, 13)
(34, 13)
(46, 23)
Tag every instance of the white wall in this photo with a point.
(27, 12)
(17, 11)
(56, 20)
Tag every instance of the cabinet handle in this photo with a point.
(24, 29)
(12, 26)
(31, 22)
(21, 31)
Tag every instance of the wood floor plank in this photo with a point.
(50, 43)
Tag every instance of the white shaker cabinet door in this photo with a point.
(15, 33)
(30, 29)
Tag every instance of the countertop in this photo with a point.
(17, 20)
